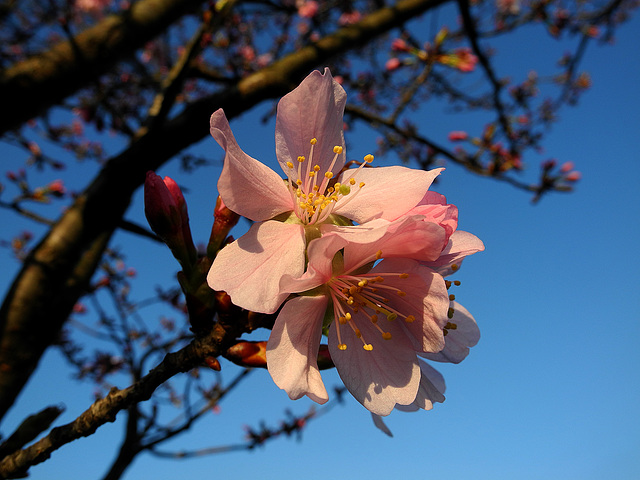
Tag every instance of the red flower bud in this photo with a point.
(166, 212)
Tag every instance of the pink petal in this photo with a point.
(320, 253)
(381, 378)
(313, 110)
(435, 209)
(457, 342)
(407, 237)
(292, 349)
(426, 299)
(247, 187)
(431, 390)
(388, 193)
(461, 244)
(250, 268)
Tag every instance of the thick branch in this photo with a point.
(31, 86)
(57, 272)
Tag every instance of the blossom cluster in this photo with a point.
(358, 255)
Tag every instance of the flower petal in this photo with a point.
(435, 209)
(250, 268)
(292, 349)
(388, 193)
(461, 245)
(381, 378)
(431, 390)
(426, 299)
(457, 342)
(247, 187)
(312, 110)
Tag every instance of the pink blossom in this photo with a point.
(92, 6)
(400, 45)
(348, 18)
(308, 9)
(382, 317)
(567, 167)
(288, 214)
(573, 176)
(393, 64)
(457, 136)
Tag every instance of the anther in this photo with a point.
(386, 336)
(452, 297)
(410, 319)
(455, 267)
(378, 254)
(450, 312)
(368, 158)
(368, 347)
(392, 316)
(404, 275)
(342, 347)
(300, 159)
(313, 141)
(456, 283)
(337, 149)
(289, 164)
(401, 293)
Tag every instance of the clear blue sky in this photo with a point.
(551, 390)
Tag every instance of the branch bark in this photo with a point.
(58, 270)
(33, 85)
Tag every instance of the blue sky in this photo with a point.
(551, 390)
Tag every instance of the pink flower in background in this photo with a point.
(382, 315)
(314, 200)
(308, 9)
(458, 136)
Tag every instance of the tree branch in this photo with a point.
(33, 85)
(106, 409)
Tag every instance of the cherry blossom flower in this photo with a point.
(315, 199)
(380, 306)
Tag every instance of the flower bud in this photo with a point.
(166, 212)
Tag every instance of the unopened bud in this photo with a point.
(166, 212)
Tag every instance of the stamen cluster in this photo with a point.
(365, 298)
(315, 200)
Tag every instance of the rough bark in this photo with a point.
(58, 270)
(33, 85)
